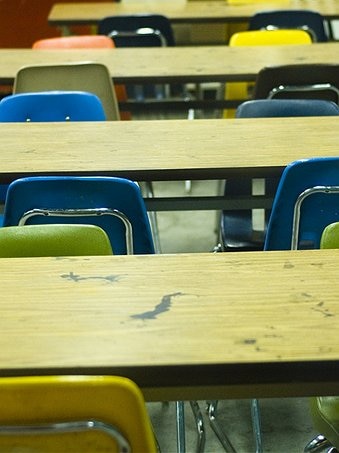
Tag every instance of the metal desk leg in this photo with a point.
(180, 419)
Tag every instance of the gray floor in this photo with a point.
(286, 423)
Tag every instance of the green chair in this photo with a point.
(325, 409)
(53, 240)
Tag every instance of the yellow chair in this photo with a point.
(53, 240)
(87, 414)
(325, 409)
(241, 90)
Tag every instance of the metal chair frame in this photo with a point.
(85, 213)
(303, 88)
(69, 427)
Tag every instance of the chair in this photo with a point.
(51, 106)
(298, 81)
(325, 409)
(266, 108)
(241, 91)
(310, 21)
(53, 240)
(125, 27)
(237, 229)
(85, 76)
(85, 42)
(114, 204)
(75, 42)
(140, 30)
(73, 413)
(306, 201)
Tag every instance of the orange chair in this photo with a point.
(85, 42)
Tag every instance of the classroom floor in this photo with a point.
(286, 424)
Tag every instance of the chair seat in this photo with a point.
(238, 234)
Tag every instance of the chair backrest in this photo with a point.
(53, 240)
(85, 76)
(240, 90)
(114, 204)
(90, 414)
(123, 29)
(330, 236)
(306, 201)
(298, 81)
(310, 21)
(75, 42)
(52, 106)
(265, 108)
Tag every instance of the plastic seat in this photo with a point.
(88, 414)
(266, 108)
(325, 409)
(51, 106)
(298, 81)
(74, 42)
(53, 240)
(306, 201)
(237, 230)
(241, 90)
(112, 25)
(310, 21)
(114, 204)
(85, 76)
(140, 30)
(85, 42)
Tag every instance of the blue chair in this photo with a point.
(266, 108)
(311, 21)
(114, 204)
(51, 106)
(141, 30)
(306, 201)
(236, 229)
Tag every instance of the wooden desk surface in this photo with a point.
(192, 64)
(164, 149)
(187, 12)
(182, 326)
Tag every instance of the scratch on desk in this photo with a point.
(162, 307)
(77, 278)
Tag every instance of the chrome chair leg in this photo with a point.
(319, 443)
(224, 440)
(199, 422)
(256, 425)
(180, 425)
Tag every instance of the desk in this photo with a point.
(156, 65)
(192, 64)
(163, 150)
(271, 322)
(67, 14)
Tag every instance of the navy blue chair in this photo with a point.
(310, 21)
(114, 204)
(306, 201)
(236, 230)
(140, 30)
(51, 106)
(266, 108)
(123, 29)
